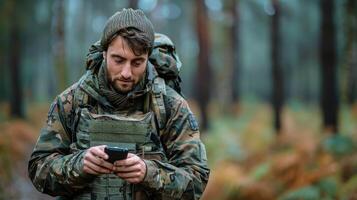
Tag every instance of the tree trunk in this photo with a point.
(351, 51)
(227, 81)
(278, 89)
(2, 71)
(234, 31)
(16, 99)
(329, 96)
(133, 4)
(203, 75)
(58, 48)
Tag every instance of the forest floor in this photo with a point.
(17, 139)
(248, 160)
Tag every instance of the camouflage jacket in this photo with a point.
(56, 169)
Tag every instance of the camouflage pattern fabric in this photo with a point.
(166, 61)
(164, 57)
(55, 166)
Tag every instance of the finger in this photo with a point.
(102, 147)
(132, 168)
(96, 168)
(100, 162)
(89, 170)
(131, 155)
(99, 151)
(129, 161)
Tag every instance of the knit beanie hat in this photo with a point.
(127, 18)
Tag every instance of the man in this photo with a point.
(121, 103)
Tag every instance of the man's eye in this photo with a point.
(119, 61)
(137, 64)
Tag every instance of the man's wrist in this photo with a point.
(146, 169)
(79, 166)
(150, 179)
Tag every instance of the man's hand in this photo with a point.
(131, 169)
(94, 161)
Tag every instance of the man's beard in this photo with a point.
(123, 86)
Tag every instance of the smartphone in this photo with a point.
(116, 153)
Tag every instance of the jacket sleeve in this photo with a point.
(52, 167)
(186, 174)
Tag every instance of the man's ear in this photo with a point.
(104, 54)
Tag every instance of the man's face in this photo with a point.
(125, 69)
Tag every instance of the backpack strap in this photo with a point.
(157, 92)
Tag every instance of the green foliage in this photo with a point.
(260, 171)
(328, 188)
(223, 141)
(349, 187)
(305, 193)
(232, 139)
(339, 145)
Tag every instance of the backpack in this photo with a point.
(166, 61)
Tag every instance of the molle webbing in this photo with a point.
(132, 132)
(114, 129)
(108, 187)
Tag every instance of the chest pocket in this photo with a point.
(130, 132)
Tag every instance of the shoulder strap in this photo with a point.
(157, 92)
(157, 96)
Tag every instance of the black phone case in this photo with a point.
(116, 153)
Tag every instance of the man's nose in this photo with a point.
(126, 72)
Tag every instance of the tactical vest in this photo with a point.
(136, 132)
(139, 132)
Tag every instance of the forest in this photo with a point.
(273, 84)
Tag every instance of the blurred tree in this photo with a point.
(58, 48)
(15, 48)
(225, 39)
(39, 81)
(329, 95)
(3, 53)
(234, 35)
(232, 46)
(81, 37)
(203, 75)
(133, 4)
(2, 73)
(351, 50)
(277, 76)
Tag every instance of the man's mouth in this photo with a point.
(126, 81)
